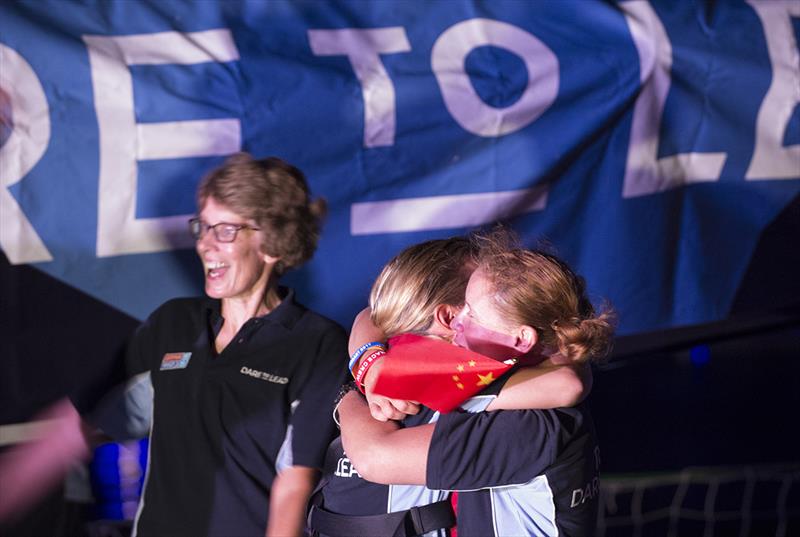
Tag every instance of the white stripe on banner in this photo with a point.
(182, 139)
(443, 212)
(159, 48)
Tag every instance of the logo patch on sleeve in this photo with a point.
(175, 360)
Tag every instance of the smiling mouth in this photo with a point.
(215, 269)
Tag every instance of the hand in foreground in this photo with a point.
(385, 408)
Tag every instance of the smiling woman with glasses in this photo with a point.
(235, 389)
(243, 380)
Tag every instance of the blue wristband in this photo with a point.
(361, 350)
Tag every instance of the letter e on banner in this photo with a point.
(123, 141)
(771, 160)
(23, 110)
(463, 102)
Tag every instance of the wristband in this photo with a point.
(361, 374)
(360, 352)
(345, 389)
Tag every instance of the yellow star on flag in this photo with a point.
(485, 380)
(460, 368)
(460, 386)
(472, 363)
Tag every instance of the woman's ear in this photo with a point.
(269, 259)
(443, 314)
(525, 339)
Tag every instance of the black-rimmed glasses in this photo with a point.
(223, 231)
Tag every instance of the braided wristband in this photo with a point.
(345, 389)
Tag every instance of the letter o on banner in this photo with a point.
(465, 105)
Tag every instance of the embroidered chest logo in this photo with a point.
(175, 360)
(255, 373)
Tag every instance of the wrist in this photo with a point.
(371, 376)
(365, 366)
(357, 358)
(343, 391)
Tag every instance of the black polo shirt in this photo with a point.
(224, 425)
(523, 472)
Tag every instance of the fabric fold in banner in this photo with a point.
(435, 373)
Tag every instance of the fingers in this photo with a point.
(377, 412)
(383, 408)
(406, 407)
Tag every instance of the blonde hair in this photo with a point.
(275, 195)
(535, 288)
(408, 289)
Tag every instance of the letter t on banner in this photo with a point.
(123, 141)
(362, 48)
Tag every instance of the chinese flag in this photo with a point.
(435, 373)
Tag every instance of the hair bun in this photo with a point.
(582, 339)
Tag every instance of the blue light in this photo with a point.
(117, 473)
(700, 355)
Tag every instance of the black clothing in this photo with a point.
(224, 425)
(526, 472)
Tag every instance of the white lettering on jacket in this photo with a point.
(587, 492)
(345, 468)
(255, 373)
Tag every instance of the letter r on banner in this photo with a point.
(27, 114)
(123, 141)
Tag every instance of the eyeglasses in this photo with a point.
(223, 231)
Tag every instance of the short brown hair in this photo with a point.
(275, 195)
(421, 277)
(538, 289)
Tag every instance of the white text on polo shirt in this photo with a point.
(586, 493)
(345, 468)
(255, 373)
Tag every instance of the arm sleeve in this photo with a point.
(491, 449)
(126, 412)
(312, 422)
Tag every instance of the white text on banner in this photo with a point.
(443, 212)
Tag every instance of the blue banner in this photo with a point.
(649, 143)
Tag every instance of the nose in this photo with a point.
(206, 240)
(457, 324)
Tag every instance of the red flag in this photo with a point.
(435, 373)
